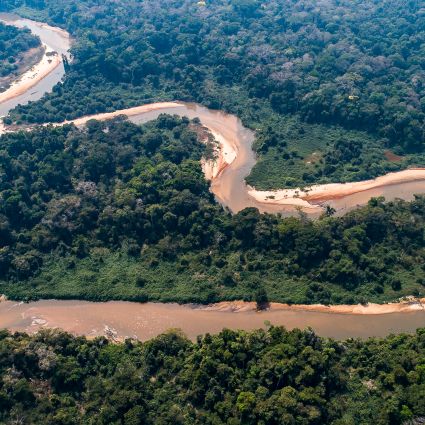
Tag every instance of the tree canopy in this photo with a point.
(357, 64)
(118, 210)
(261, 377)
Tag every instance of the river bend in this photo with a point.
(125, 319)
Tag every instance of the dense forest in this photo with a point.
(118, 210)
(335, 91)
(293, 153)
(14, 43)
(355, 64)
(271, 377)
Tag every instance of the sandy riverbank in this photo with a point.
(409, 305)
(29, 79)
(226, 153)
(325, 192)
(309, 199)
(226, 150)
(61, 32)
(129, 112)
(406, 305)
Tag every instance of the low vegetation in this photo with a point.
(293, 153)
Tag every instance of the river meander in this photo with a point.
(125, 319)
(55, 38)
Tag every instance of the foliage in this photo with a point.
(260, 377)
(351, 63)
(293, 153)
(117, 210)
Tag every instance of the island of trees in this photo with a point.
(121, 211)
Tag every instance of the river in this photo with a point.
(55, 38)
(148, 320)
(144, 321)
(230, 188)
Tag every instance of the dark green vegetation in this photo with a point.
(123, 211)
(271, 377)
(296, 154)
(14, 43)
(356, 64)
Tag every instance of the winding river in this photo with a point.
(54, 39)
(121, 319)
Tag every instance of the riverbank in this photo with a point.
(226, 151)
(227, 173)
(225, 154)
(25, 61)
(49, 62)
(129, 112)
(232, 156)
(326, 192)
(406, 305)
(410, 304)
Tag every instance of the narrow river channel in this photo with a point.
(144, 321)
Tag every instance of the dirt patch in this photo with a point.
(313, 158)
(392, 157)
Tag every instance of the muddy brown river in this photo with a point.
(230, 188)
(144, 321)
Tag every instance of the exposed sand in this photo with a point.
(408, 305)
(226, 153)
(34, 75)
(57, 30)
(308, 199)
(128, 112)
(324, 192)
(231, 151)
(24, 62)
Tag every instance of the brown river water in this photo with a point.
(144, 321)
(230, 187)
